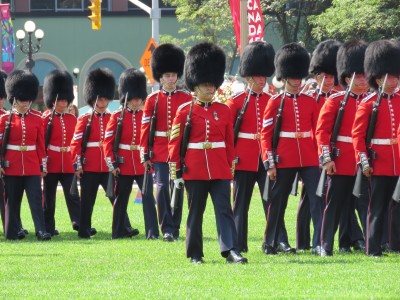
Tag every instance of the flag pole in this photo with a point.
(244, 26)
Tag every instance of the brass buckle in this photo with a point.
(23, 148)
(393, 141)
(63, 149)
(134, 147)
(299, 135)
(207, 145)
(168, 133)
(100, 143)
(256, 136)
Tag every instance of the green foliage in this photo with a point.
(100, 268)
(205, 20)
(363, 19)
(290, 18)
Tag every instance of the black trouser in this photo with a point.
(303, 222)
(243, 186)
(339, 198)
(50, 183)
(197, 193)
(14, 191)
(90, 182)
(382, 188)
(279, 197)
(169, 223)
(123, 190)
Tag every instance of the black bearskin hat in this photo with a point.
(205, 63)
(381, 57)
(167, 58)
(292, 61)
(3, 77)
(21, 85)
(133, 82)
(323, 59)
(257, 60)
(350, 59)
(99, 83)
(58, 85)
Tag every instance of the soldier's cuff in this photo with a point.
(43, 166)
(270, 162)
(325, 156)
(364, 164)
(78, 165)
(175, 173)
(143, 156)
(233, 167)
(110, 164)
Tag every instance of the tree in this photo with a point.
(290, 18)
(205, 20)
(365, 19)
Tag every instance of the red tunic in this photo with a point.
(299, 119)
(167, 106)
(213, 124)
(94, 155)
(345, 163)
(26, 132)
(248, 146)
(58, 151)
(387, 156)
(322, 98)
(130, 137)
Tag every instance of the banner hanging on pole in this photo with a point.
(254, 19)
(7, 36)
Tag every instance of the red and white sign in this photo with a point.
(254, 19)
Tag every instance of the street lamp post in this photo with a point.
(27, 47)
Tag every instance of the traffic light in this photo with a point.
(96, 14)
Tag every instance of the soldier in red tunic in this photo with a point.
(160, 107)
(90, 165)
(338, 157)
(256, 64)
(125, 164)
(323, 67)
(209, 160)
(24, 162)
(296, 148)
(379, 160)
(58, 131)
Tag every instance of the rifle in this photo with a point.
(86, 135)
(49, 127)
(335, 132)
(275, 141)
(110, 183)
(396, 193)
(370, 133)
(6, 136)
(295, 185)
(177, 193)
(152, 133)
(239, 119)
(320, 90)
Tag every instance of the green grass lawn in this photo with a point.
(67, 267)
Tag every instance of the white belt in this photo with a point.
(206, 145)
(384, 141)
(94, 144)
(295, 135)
(345, 139)
(249, 136)
(58, 149)
(128, 147)
(162, 133)
(21, 148)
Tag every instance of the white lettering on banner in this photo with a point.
(255, 21)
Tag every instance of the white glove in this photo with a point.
(179, 183)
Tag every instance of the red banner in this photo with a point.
(254, 19)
